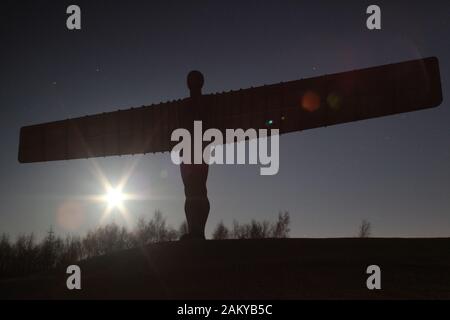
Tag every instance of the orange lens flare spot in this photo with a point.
(310, 101)
(70, 215)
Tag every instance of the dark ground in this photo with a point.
(255, 269)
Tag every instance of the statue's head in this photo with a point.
(195, 81)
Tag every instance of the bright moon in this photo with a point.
(114, 197)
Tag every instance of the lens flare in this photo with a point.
(334, 101)
(70, 215)
(310, 101)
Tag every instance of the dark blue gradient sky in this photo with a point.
(393, 171)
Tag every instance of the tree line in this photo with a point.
(26, 255)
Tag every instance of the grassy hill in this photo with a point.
(254, 269)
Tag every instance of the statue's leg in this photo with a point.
(197, 204)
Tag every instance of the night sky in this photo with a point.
(394, 172)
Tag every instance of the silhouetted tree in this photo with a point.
(240, 232)
(25, 255)
(106, 239)
(48, 251)
(281, 227)
(259, 230)
(263, 229)
(6, 255)
(365, 229)
(142, 234)
(160, 230)
(90, 245)
(72, 251)
(221, 232)
(154, 230)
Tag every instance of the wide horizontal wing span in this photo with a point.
(291, 106)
